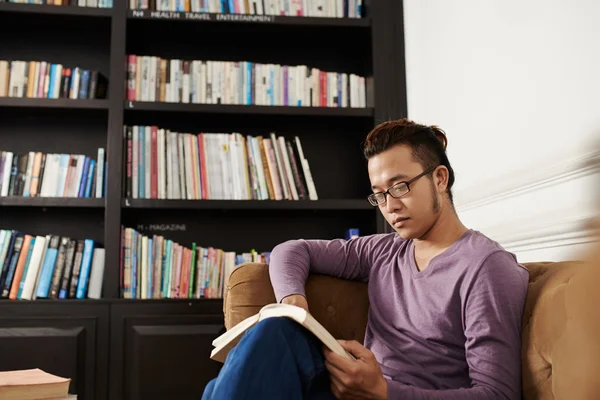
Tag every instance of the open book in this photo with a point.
(227, 341)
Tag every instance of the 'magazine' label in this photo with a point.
(202, 16)
(162, 227)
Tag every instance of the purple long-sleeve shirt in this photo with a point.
(451, 331)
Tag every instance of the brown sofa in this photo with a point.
(561, 323)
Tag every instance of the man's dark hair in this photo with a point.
(428, 144)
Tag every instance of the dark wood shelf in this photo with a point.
(82, 302)
(252, 19)
(19, 201)
(56, 10)
(99, 104)
(250, 109)
(329, 204)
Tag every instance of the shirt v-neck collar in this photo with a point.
(434, 262)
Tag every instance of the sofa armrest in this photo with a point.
(341, 306)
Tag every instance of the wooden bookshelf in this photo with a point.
(122, 342)
(329, 204)
(56, 10)
(249, 109)
(91, 104)
(248, 19)
(55, 202)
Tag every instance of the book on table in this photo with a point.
(33, 384)
(228, 340)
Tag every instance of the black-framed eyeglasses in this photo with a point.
(397, 190)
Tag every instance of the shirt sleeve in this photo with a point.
(493, 310)
(291, 261)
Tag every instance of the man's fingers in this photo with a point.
(340, 362)
(354, 348)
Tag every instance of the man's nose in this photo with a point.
(392, 204)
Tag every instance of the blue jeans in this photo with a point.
(276, 359)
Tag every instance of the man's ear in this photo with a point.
(440, 178)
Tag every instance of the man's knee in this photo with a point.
(275, 326)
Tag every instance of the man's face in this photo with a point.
(413, 214)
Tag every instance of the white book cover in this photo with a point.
(273, 172)
(197, 167)
(344, 90)
(3, 73)
(209, 83)
(243, 167)
(288, 167)
(174, 180)
(144, 268)
(36, 79)
(312, 191)
(206, 193)
(189, 167)
(54, 174)
(154, 78)
(63, 169)
(168, 172)
(147, 162)
(194, 82)
(135, 162)
(256, 154)
(181, 173)
(185, 86)
(96, 274)
(43, 190)
(57, 80)
(100, 173)
(235, 168)
(162, 182)
(225, 166)
(201, 83)
(29, 172)
(78, 174)
(8, 158)
(33, 267)
(280, 170)
(362, 92)
(255, 189)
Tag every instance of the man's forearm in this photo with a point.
(399, 391)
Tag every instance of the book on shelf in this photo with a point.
(37, 174)
(154, 267)
(228, 340)
(46, 80)
(161, 164)
(76, 3)
(34, 384)
(155, 79)
(290, 8)
(50, 266)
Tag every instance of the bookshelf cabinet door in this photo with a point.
(62, 338)
(161, 351)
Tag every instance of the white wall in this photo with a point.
(516, 86)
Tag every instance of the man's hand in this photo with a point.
(296, 300)
(358, 379)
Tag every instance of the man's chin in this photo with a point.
(406, 233)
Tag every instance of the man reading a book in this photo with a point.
(446, 302)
